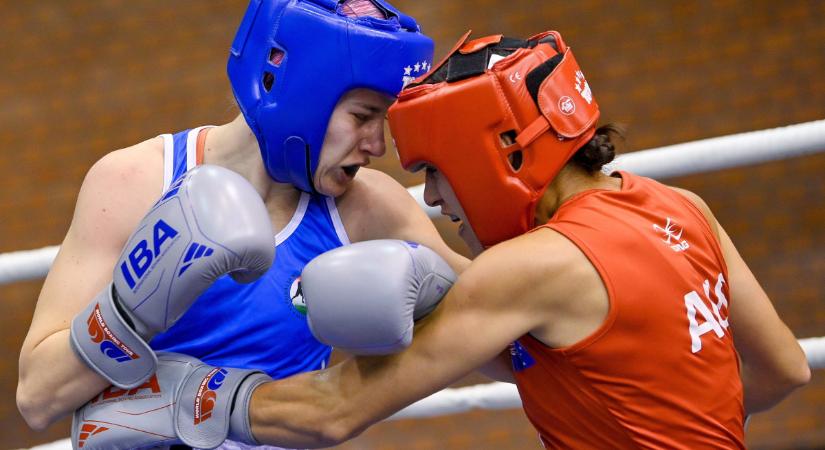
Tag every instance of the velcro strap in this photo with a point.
(471, 58)
(461, 66)
(532, 131)
(240, 429)
(565, 99)
(204, 403)
(101, 337)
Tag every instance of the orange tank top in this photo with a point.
(661, 371)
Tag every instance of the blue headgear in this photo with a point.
(288, 103)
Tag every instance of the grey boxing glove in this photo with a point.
(208, 223)
(184, 402)
(364, 298)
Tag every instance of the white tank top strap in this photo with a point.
(168, 160)
(191, 152)
(303, 204)
(336, 221)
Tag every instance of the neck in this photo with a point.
(571, 181)
(235, 147)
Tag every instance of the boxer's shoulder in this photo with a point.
(372, 185)
(120, 187)
(541, 267)
(138, 167)
(376, 206)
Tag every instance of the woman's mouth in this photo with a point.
(351, 170)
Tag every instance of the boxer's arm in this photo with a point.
(772, 362)
(498, 299)
(499, 368)
(392, 213)
(115, 195)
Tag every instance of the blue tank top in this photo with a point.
(259, 325)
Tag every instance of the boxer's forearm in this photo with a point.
(53, 381)
(304, 411)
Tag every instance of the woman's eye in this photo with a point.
(360, 117)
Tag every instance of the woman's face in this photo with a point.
(355, 133)
(439, 192)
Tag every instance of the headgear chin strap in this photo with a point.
(292, 60)
(499, 117)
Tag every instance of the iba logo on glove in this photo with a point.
(141, 256)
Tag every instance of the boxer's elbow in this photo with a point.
(799, 375)
(767, 386)
(792, 374)
(35, 401)
(341, 422)
(339, 430)
(34, 408)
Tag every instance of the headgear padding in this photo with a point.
(499, 117)
(292, 60)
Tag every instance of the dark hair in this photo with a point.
(600, 150)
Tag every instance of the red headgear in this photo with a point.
(499, 117)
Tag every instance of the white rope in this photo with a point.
(63, 444)
(457, 400)
(505, 395)
(707, 155)
(491, 396)
(726, 152)
(26, 264)
(674, 160)
(814, 349)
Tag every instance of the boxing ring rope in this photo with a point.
(707, 155)
(700, 156)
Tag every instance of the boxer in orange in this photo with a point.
(618, 305)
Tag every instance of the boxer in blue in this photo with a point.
(313, 80)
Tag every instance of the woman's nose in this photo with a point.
(431, 195)
(373, 142)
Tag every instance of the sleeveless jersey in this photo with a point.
(258, 325)
(661, 371)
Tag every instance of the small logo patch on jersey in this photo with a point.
(296, 295)
(672, 235)
(520, 357)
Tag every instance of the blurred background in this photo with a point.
(79, 79)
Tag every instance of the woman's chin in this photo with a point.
(469, 237)
(334, 186)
